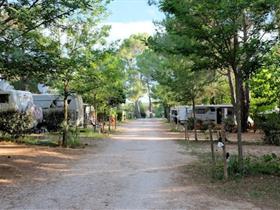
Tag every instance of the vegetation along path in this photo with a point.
(139, 168)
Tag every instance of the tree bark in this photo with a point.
(238, 117)
(194, 119)
(232, 91)
(137, 109)
(150, 100)
(65, 112)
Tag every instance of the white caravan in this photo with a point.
(183, 112)
(50, 102)
(173, 114)
(19, 101)
(213, 113)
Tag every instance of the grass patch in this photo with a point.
(89, 133)
(260, 184)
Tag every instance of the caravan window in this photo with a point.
(200, 111)
(4, 98)
(230, 112)
(212, 109)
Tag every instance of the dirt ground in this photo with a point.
(138, 168)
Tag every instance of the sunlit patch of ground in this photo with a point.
(25, 163)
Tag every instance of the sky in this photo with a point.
(128, 17)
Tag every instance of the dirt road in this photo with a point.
(140, 168)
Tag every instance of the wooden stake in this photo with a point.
(224, 153)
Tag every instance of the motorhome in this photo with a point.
(212, 113)
(182, 115)
(55, 102)
(19, 101)
(173, 114)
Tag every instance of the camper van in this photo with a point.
(50, 102)
(212, 113)
(173, 114)
(182, 114)
(20, 101)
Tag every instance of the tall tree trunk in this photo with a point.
(95, 112)
(150, 100)
(194, 119)
(167, 112)
(137, 109)
(238, 117)
(232, 91)
(65, 112)
(245, 105)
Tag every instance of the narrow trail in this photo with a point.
(140, 168)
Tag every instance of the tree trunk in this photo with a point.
(65, 112)
(137, 109)
(238, 117)
(245, 105)
(150, 100)
(167, 112)
(95, 113)
(194, 120)
(232, 91)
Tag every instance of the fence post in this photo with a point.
(223, 135)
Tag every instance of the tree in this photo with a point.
(81, 34)
(227, 36)
(265, 84)
(24, 49)
(129, 50)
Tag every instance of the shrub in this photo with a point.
(73, 140)
(15, 123)
(190, 123)
(265, 165)
(53, 119)
(270, 125)
(230, 124)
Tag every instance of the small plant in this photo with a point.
(270, 125)
(73, 140)
(229, 124)
(268, 164)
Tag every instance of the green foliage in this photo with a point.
(229, 124)
(270, 124)
(24, 49)
(73, 139)
(268, 164)
(265, 84)
(53, 120)
(89, 133)
(15, 123)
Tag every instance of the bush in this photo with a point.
(265, 165)
(15, 123)
(53, 119)
(73, 138)
(230, 124)
(270, 125)
(190, 123)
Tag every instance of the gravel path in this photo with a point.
(137, 169)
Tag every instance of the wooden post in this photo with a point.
(212, 146)
(116, 118)
(109, 125)
(223, 135)
(186, 132)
